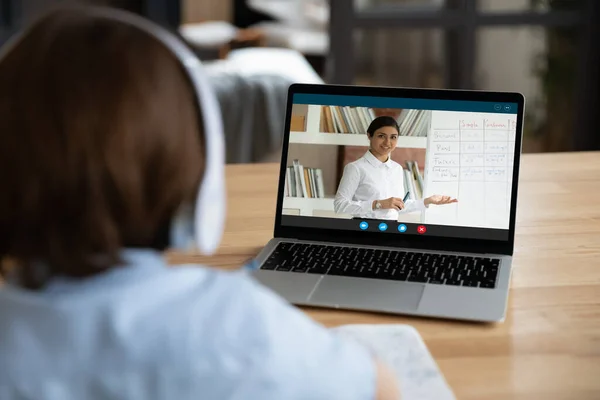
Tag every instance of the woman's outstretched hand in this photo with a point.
(439, 200)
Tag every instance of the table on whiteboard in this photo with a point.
(470, 156)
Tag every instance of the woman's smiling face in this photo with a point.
(384, 141)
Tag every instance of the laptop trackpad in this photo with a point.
(294, 287)
(367, 294)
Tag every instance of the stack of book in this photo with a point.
(356, 120)
(413, 180)
(343, 119)
(304, 182)
(414, 122)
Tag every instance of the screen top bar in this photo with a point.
(410, 103)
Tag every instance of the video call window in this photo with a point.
(458, 163)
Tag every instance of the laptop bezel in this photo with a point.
(479, 246)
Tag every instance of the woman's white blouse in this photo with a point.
(368, 179)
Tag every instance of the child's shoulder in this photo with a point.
(254, 328)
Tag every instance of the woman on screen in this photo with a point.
(373, 186)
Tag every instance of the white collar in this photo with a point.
(374, 161)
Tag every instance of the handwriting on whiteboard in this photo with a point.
(445, 174)
(473, 135)
(447, 161)
(495, 174)
(470, 123)
(495, 160)
(446, 135)
(471, 174)
(471, 147)
(446, 147)
(496, 124)
(496, 135)
(496, 147)
(471, 160)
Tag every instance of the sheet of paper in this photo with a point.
(403, 349)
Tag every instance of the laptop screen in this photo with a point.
(400, 166)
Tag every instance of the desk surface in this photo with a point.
(549, 346)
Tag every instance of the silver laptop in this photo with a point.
(397, 200)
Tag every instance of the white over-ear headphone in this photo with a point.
(204, 221)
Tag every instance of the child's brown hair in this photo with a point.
(100, 143)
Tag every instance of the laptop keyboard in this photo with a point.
(439, 269)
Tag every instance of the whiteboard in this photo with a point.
(470, 157)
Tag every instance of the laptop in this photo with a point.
(446, 250)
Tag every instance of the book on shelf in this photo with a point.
(304, 182)
(320, 184)
(405, 119)
(407, 184)
(356, 120)
(414, 122)
(298, 123)
(300, 183)
(418, 177)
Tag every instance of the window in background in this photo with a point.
(400, 57)
(540, 63)
(542, 6)
(542, 48)
(5, 19)
(408, 4)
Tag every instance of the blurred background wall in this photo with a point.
(546, 49)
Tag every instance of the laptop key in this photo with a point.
(384, 273)
(268, 265)
(336, 271)
(452, 282)
(487, 284)
(401, 276)
(417, 278)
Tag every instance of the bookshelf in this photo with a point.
(314, 135)
(347, 139)
(308, 206)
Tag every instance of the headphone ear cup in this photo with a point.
(181, 229)
(209, 216)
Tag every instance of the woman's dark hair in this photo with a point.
(381, 122)
(100, 145)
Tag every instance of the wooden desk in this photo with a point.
(549, 346)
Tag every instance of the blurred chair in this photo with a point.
(251, 84)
